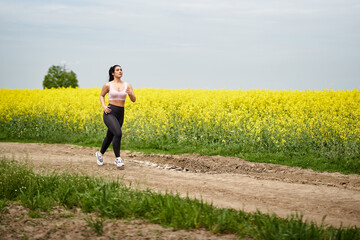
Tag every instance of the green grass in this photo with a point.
(97, 225)
(113, 199)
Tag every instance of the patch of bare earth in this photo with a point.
(74, 224)
(225, 181)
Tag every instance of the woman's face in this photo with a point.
(118, 72)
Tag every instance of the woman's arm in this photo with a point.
(130, 92)
(104, 91)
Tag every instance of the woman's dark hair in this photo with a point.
(111, 71)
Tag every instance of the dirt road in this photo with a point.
(224, 181)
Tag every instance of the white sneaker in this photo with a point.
(119, 162)
(99, 158)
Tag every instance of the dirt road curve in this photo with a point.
(224, 181)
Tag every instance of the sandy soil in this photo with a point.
(225, 181)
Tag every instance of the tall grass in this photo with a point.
(113, 199)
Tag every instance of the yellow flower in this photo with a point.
(279, 117)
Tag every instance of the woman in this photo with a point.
(114, 112)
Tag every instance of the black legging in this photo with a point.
(114, 121)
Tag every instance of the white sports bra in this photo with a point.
(116, 95)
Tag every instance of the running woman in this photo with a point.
(113, 115)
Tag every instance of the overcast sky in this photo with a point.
(208, 44)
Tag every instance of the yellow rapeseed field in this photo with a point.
(263, 118)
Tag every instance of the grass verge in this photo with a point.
(113, 199)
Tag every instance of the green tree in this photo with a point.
(57, 76)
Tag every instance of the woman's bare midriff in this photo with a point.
(119, 103)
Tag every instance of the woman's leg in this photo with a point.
(106, 143)
(113, 135)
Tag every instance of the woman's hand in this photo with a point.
(129, 91)
(107, 109)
